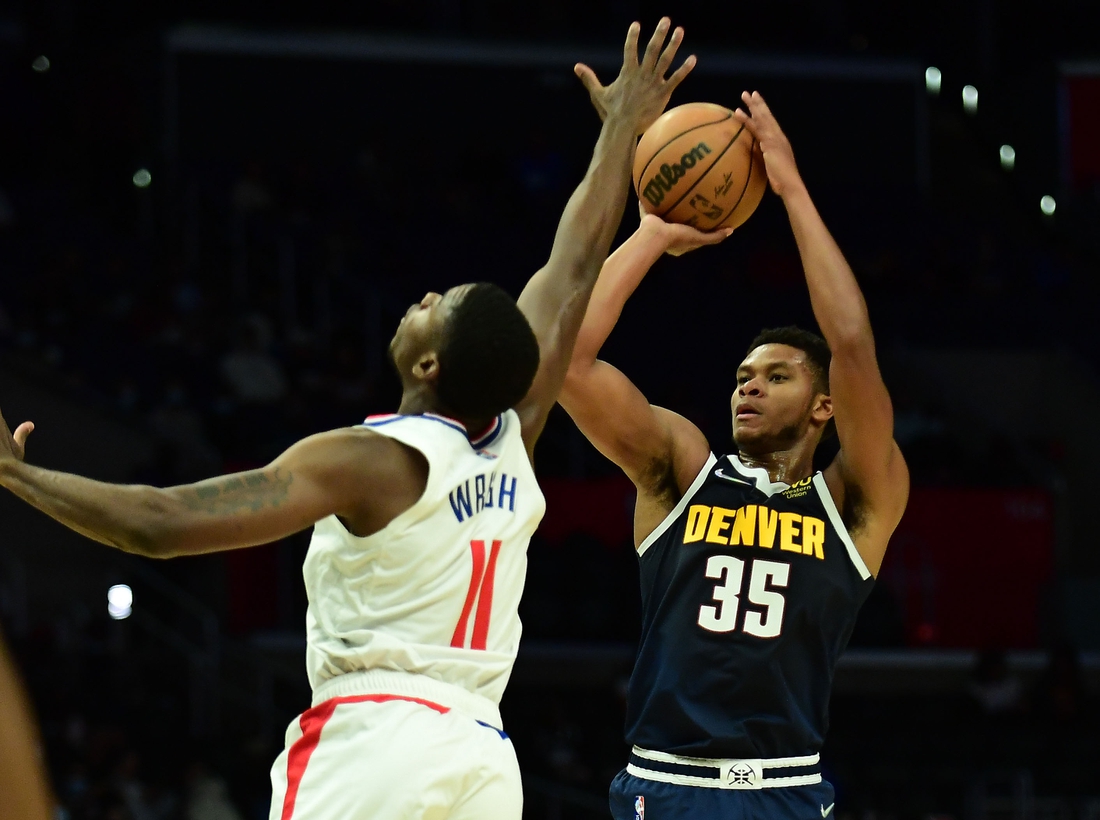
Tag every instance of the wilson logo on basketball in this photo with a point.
(669, 175)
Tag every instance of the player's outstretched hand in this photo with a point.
(778, 156)
(679, 239)
(14, 446)
(641, 91)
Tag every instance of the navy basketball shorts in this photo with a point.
(659, 789)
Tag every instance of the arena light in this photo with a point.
(933, 80)
(1047, 205)
(970, 99)
(1008, 157)
(41, 63)
(142, 178)
(120, 602)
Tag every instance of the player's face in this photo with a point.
(420, 331)
(776, 403)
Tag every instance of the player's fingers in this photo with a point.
(710, 237)
(630, 48)
(747, 121)
(587, 77)
(757, 106)
(21, 433)
(653, 50)
(669, 54)
(678, 75)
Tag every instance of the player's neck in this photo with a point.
(789, 466)
(418, 401)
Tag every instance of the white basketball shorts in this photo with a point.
(392, 757)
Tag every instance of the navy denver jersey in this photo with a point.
(750, 590)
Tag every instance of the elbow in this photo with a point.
(575, 380)
(853, 341)
(568, 387)
(585, 269)
(146, 541)
(849, 328)
(148, 545)
(151, 532)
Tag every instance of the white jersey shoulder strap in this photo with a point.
(445, 443)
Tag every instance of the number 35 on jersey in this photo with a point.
(765, 578)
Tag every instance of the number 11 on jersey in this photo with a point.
(481, 590)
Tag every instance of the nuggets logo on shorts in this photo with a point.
(639, 808)
(741, 775)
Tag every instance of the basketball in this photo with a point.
(698, 165)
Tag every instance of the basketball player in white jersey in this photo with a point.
(422, 518)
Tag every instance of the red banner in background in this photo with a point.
(252, 578)
(968, 566)
(601, 507)
(1082, 95)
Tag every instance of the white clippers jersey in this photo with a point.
(436, 592)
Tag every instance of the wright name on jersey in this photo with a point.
(427, 607)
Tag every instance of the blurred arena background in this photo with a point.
(212, 217)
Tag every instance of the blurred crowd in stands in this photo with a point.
(229, 359)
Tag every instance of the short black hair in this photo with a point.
(816, 349)
(818, 357)
(488, 356)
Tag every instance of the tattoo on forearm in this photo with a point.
(251, 491)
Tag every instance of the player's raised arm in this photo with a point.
(648, 443)
(870, 467)
(322, 475)
(554, 300)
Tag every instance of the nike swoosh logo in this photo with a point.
(825, 811)
(721, 474)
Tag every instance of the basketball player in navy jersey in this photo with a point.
(752, 567)
(421, 518)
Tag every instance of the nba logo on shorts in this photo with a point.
(639, 808)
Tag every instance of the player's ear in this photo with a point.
(823, 408)
(427, 367)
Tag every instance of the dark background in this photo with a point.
(315, 170)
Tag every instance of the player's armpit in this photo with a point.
(871, 512)
(870, 466)
(650, 444)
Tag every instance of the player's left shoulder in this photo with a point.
(358, 453)
(870, 507)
